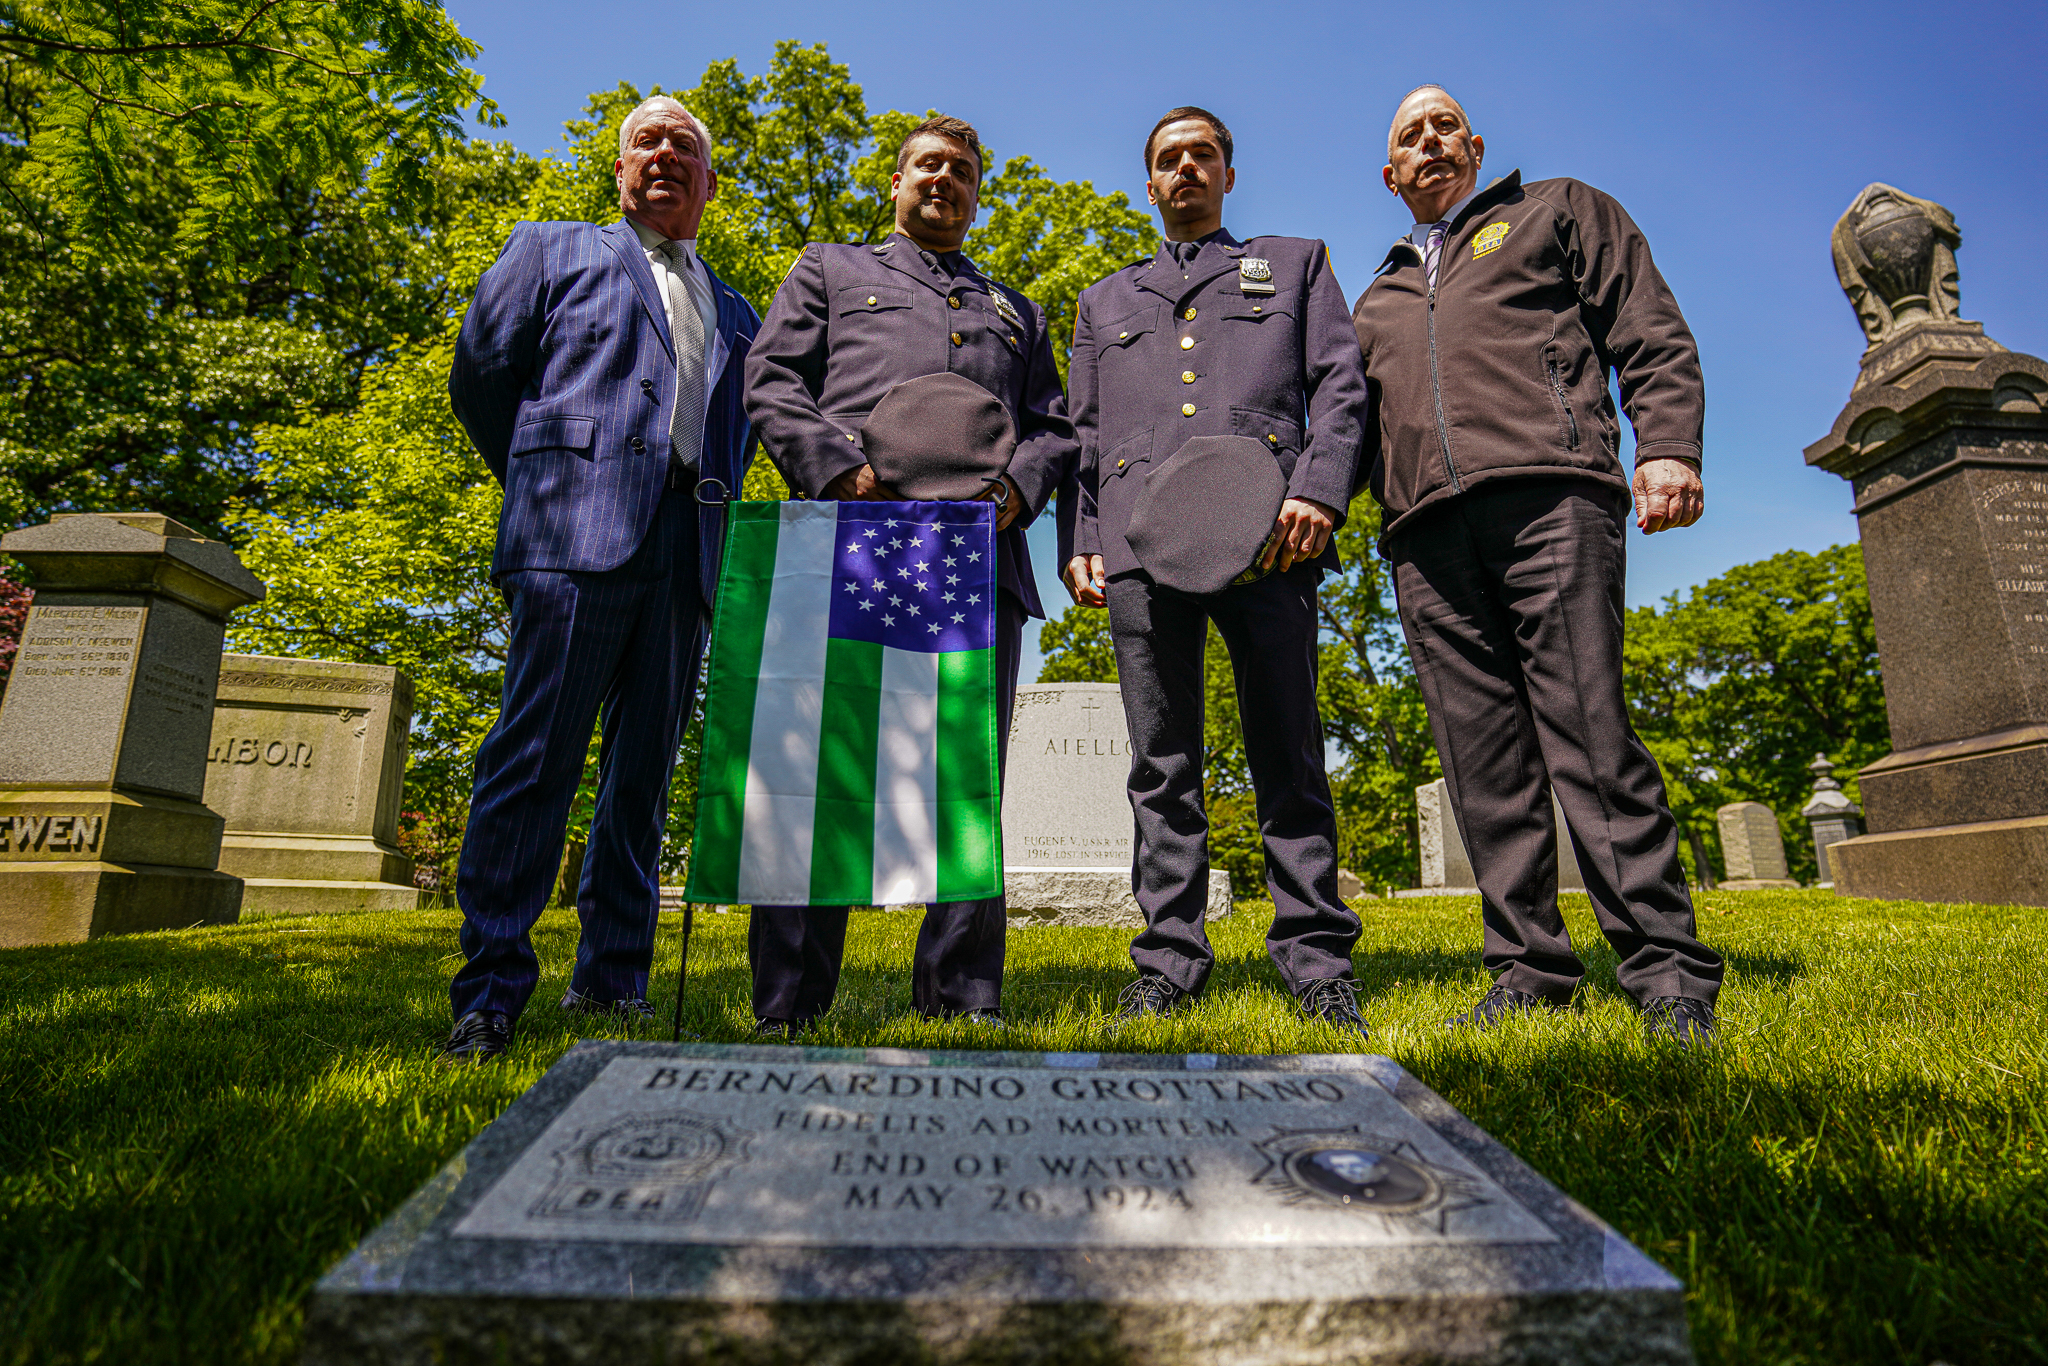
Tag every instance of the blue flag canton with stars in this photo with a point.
(916, 576)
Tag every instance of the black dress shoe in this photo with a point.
(992, 1019)
(635, 1011)
(1498, 1003)
(478, 1037)
(778, 1029)
(1681, 1019)
(1150, 995)
(1334, 1001)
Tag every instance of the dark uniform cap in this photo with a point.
(939, 438)
(1203, 518)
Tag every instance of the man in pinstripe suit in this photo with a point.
(599, 373)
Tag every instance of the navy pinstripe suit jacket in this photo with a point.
(564, 375)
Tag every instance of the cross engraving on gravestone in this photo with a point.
(1029, 1206)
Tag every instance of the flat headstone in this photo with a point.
(307, 767)
(1067, 824)
(653, 1202)
(103, 730)
(1752, 849)
(1447, 868)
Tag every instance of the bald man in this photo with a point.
(1489, 335)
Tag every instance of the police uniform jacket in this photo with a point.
(1500, 371)
(851, 322)
(1162, 354)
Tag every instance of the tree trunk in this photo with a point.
(571, 875)
(1699, 857)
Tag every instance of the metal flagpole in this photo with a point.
(683, 969)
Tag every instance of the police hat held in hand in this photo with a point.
(939, 438)
(1202, 521)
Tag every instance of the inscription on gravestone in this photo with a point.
(992, 1207)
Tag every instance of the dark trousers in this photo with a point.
(795, 951)
(1270, 629)
(1511, 597)
(624, 643)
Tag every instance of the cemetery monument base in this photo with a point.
(669, 1203)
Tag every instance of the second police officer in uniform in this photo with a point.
(848, 325)
(1215, 338)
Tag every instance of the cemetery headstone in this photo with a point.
(754, 1204)
(307, 766)
(1447, 868)
(1829, 814)
(104, 727)
(1945, 444)
(1067, 826)
(1752, 848)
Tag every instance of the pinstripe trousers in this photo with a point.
(794, 951)
(624, 644)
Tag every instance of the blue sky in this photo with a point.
(1735, 134)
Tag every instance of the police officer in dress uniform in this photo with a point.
(1213, 337)
(848, 324)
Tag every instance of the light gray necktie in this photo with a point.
(1433, 250)
(686, 329)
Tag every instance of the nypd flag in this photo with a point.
(850, 711)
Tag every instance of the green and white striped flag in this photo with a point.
(850, 711)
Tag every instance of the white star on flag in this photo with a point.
(974, 597)
(852, 587)
(888, 620)
(975, 556)
(933, 629)
(947, 598)
(869, 533)
(959, 616)
(866, 606)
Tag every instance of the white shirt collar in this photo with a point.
(1420, 234)
(654, 241)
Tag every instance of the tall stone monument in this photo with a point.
(307, 766)
(1067, 828)
(103, 732)
(1945, 443)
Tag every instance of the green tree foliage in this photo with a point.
(233, 99)
(1736, 684)
(1372, 714)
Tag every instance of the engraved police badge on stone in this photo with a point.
(642, 1168)
(1488, 238)
(1255, 275)
(1365, 1174)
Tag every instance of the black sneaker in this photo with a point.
(1498, 1003)
(1681, 1019)
(1150, 995)
(635, 1011)
(1333, 1000)
(478, 1036)
(778, 1029)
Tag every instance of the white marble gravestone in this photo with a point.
(750, 1203)
(1447, 868)
(1067, 826)
(1752, 849)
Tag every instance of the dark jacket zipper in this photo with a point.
(1564, 407)
(1436, 387)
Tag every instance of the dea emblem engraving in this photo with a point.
(1366, 1175)
(652, 1168)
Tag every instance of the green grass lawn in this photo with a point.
(195, 1125)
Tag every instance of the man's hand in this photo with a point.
(1303, 529)
(1668, 494)
(859, 486)
(1012, 509)
(1083, 578)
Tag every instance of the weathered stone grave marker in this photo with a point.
(104, 727)
(1752, 848)
(307, 767)
(653, 1202)
(1067, 829)
(1447, 868)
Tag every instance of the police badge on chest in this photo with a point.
(1255, 275)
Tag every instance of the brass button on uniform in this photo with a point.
(1257, 308)
(953, 301)
(1189, 315)
(956, 339)
(1187, 343)
(1187, 410)
(1187, 377)
(871, 301)
(1121, 335)
(1272, 438)
(1119, 464)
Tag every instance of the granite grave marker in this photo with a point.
(1446, 867)
(1067, 825)
(1752, 848)
(103, 730)
(307, 766)
(668, 1203)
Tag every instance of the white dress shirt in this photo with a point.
(715, 348)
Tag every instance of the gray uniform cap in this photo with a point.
(939, 438)
(1204, 517)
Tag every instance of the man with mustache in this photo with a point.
(598, 373)
(1214, 338)
(848, 324)
(1488, 337)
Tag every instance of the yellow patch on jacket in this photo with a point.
(1488, 238)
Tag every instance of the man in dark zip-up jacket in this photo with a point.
(1488, 336)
